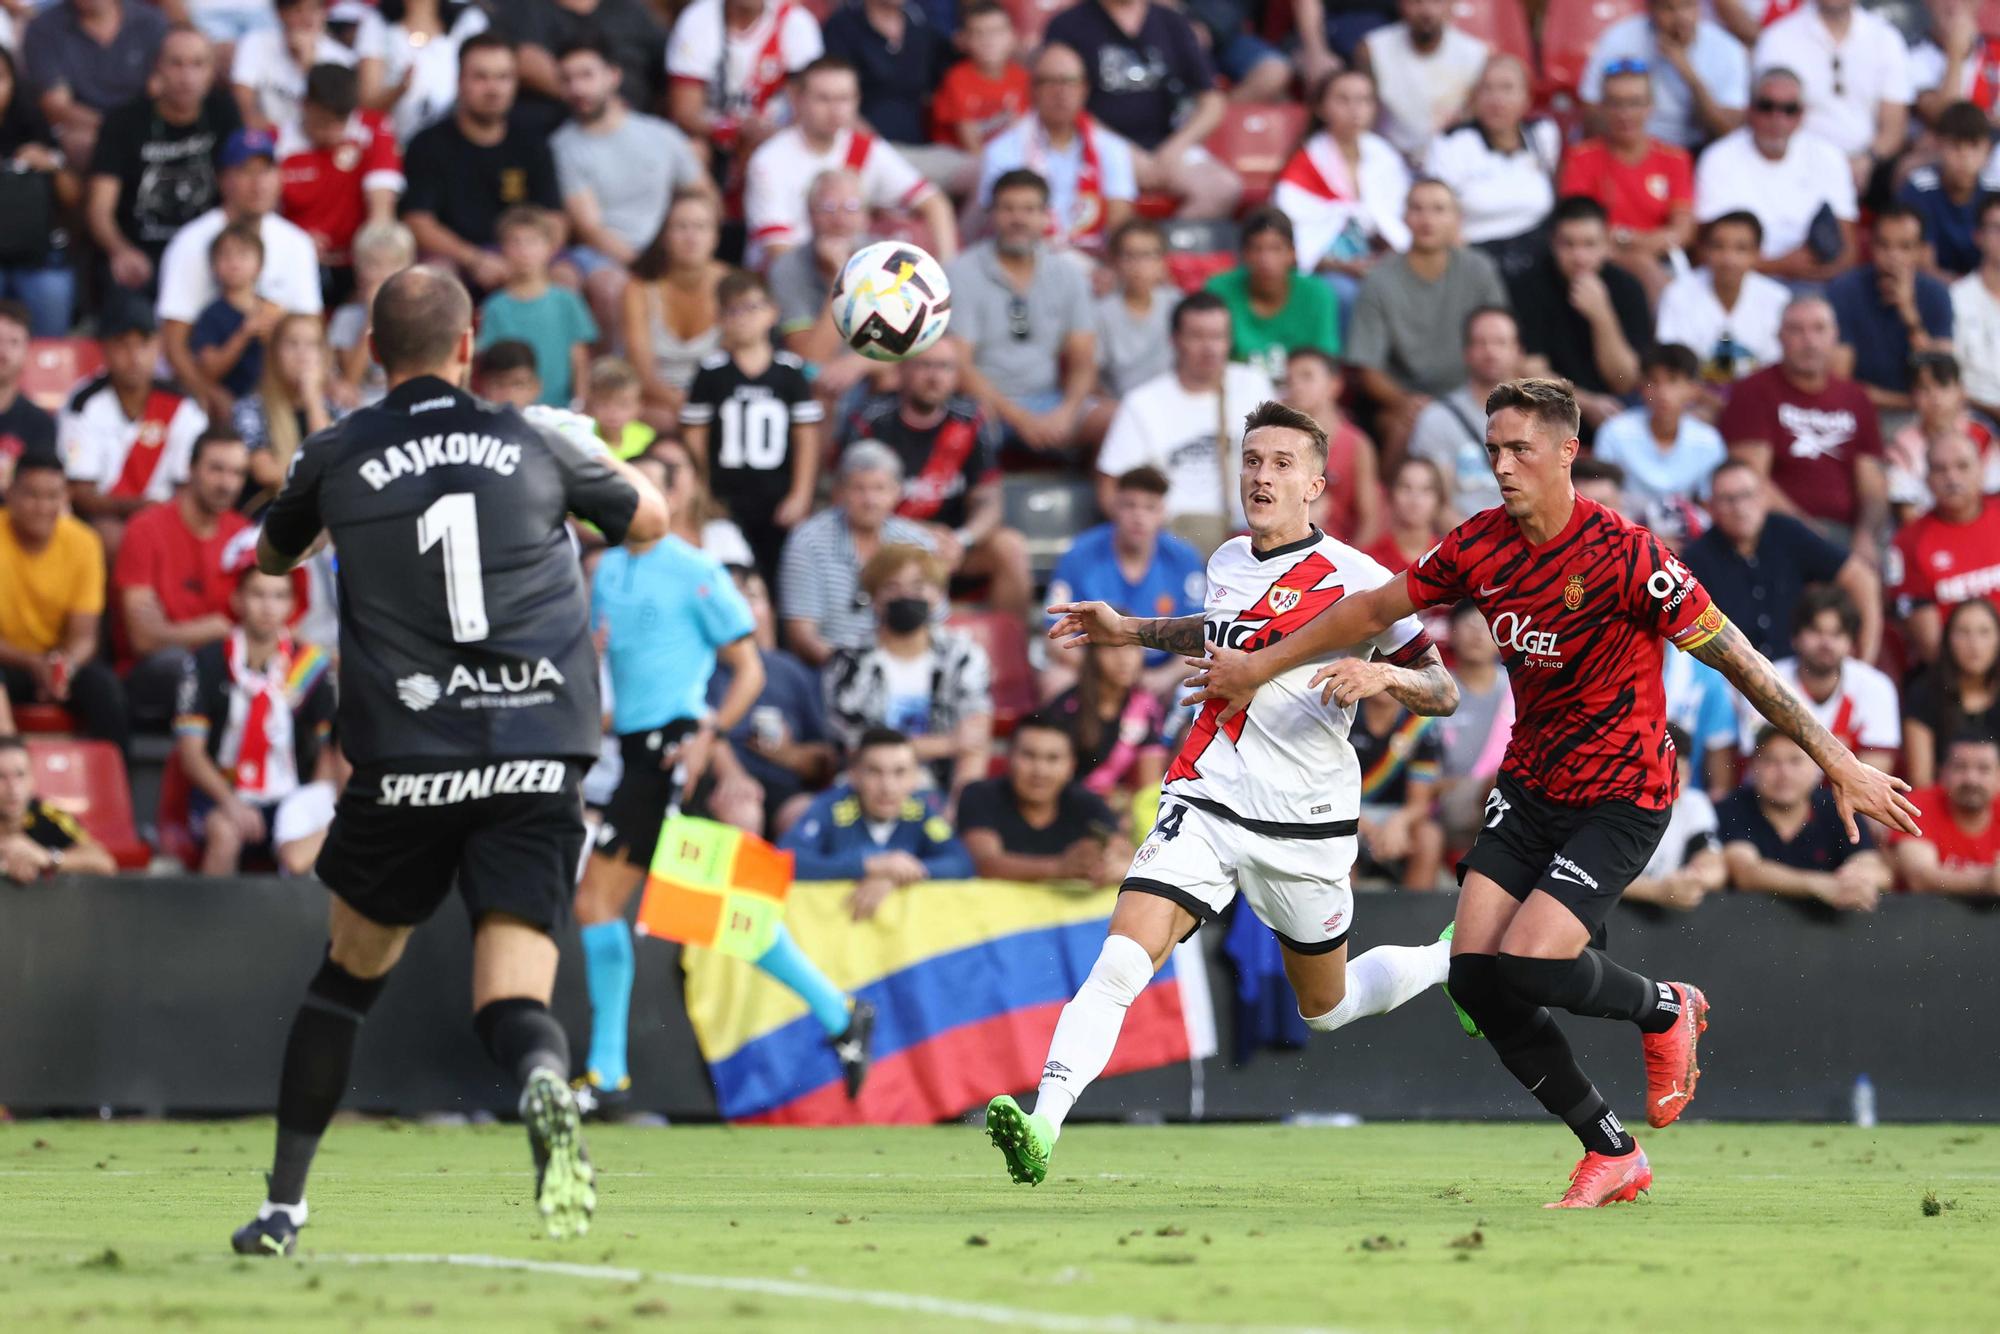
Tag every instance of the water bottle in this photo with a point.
(1864, 1102)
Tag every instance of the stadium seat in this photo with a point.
(1196, 251)
(1256, 141)
(1048, 510)
(44, 719)
(87, 779)
(1005, 640)
(1570, 29)
(55, 365)
(1501, 24)
(1031, 17)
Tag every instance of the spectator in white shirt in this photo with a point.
(1345, 188)
(1502, 167)
(729, 63)
(1425, 69)
(1975, 314)
(1188, 423)
(1799, 185)
(1701, 74)
(1725, 311)
(829, 135)
(1089, 167)
(250, 184)
(269, 69)
(1852, 700)
(1854, 69)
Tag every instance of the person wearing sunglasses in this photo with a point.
(1701, 74)
(1854, 70)
(1796, 184)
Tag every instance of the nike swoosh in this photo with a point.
(1489, 592)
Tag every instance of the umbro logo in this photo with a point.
(1055, 1070)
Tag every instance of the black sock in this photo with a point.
(1593, 985)
(1535, 1052)
(522, 1037)
(317, 1056)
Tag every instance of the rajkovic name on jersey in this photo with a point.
(1284, 765)
(448, 787)
(414, 458)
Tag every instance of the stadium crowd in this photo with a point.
(1763, 241)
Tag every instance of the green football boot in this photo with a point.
(1024, 1138)
(1464, 1019)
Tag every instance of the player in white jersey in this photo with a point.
(1264, 805)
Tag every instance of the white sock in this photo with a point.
(1384, 978)
(1087, 1033)
(295, 1212)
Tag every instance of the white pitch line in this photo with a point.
(910, 1303)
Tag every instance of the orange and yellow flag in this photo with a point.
(715, 886)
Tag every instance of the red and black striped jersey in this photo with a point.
(1579, 620)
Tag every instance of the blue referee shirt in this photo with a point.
(668, 610)
(1173, 585)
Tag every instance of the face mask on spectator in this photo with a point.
(902, 616)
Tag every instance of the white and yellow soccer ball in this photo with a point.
(575, 425)
(891, 301)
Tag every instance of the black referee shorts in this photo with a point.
(507, 832)
(1582, 856)
(637, 809)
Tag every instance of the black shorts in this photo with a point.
(638, 807)
(508, 832)
(1581, 856)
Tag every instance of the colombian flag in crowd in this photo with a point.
(967, 978)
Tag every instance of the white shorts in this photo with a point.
(1297, 886)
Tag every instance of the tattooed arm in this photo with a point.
(1081, 623)
(1424, 687)
(1857, 787)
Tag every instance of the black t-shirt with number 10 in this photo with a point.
(749, 420)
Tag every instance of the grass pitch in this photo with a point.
(1384, 1227)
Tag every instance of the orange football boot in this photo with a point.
(1671, 1072)
(1598, 1181)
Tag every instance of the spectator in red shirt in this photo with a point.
(1950, 555)
(345, 171)
(177, 569)
(988, 90)
(1646, 186)
(1812, 435)
(1959, 850)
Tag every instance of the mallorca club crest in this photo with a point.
(1283, 599)
(1573, 592)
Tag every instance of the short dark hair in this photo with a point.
(1463, 608)
(880, 736)
(1741, 217)
(217, 433)
(1821, 598)
(333, 88)
(1478, 313)
(828, 65)
(1020, 178)
(1578, 208)
(16, 312)
(1941, 368)
(1319, 354)
(1048, 722)
(1894, 210)
(1590, 468)
(1672, 358)
(1266, 219)
(1970, 736)
(1549, 401)
(507, 356)
(737, 284)
(11, 741)
(981, 9)
(1195, 303)
(1986, 205)
(1683, 743)
(241, 233)
(1271, 413)
(38, 460)
(484, 40)
(1130, 228)
(589, 42)
(1145, 478)
(1963, 123)
(418, 317)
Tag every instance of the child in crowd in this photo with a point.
(983, 93)
(1666, 451)
(752, 423)
(505, 373)
(613, 401)
(381, 250)
(552, 320)
(228, 336)
(1133, 344)
(1351, 507)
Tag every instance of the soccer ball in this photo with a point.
(578, 428)
(891, 301)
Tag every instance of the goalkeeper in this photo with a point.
(666, 615)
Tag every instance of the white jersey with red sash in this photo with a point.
(142, 458)
(782, 171)
(1085, 224)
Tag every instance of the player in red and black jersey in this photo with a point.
(1579, 601)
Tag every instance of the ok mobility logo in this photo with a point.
(515, 685)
